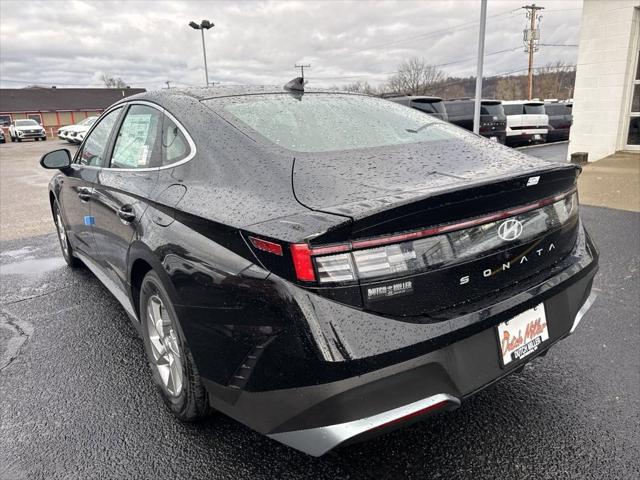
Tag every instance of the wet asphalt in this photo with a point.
(77, 400)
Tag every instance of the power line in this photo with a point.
(427, 34)
(436, 65)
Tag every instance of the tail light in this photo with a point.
(413, 252)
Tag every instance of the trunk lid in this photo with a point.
(389, 192)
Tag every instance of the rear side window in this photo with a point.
(137, 145)
(94, 147)
(174, 144)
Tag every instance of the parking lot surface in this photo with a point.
(77, 400)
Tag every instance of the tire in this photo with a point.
(19, 139)
(12, 139)
(174, 371)
(63, 238)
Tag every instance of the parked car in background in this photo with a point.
(26, 129)
(492, 120)
(321, 266)
(433, 106)
(2, 139)
(70, 133)
(527, 122)
(560, 120)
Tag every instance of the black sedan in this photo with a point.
(322, 267)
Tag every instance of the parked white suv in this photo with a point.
(22, 129)
(75, 133)
(527, 121)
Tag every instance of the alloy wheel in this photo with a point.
(165, 348)
(62, 234)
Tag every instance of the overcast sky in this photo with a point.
(70, 43)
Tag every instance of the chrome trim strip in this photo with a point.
(583, 310)
(318, 441)
(192, 145)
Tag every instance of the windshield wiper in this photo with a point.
(411, 130)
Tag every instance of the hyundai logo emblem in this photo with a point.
(510, 229)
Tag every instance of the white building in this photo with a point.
(606, 108)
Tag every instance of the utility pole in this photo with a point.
(478, 100)
(302, 67)
(531, 39)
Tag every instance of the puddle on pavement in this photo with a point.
(32, 267)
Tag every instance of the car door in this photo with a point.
(75, 195)
(121, 191)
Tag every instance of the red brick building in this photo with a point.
(56, 107)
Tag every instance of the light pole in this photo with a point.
(202, 26)
(478, 100)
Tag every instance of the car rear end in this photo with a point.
(493, 122)
(527, 122)
(420, 274)
(560, 120)
(414, 320)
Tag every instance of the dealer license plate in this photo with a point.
(495, 139)
(537, 137)
(523, 334)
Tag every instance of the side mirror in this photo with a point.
(57, 159)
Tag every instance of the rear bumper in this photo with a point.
(336, 401)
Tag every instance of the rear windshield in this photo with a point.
(533, 109)
(429, 106)
(557, 109)
(318, 122)
(512, 109)
(494, 109)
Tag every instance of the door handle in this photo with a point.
(126, 214)
(84, 194)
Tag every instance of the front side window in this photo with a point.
(319, 122)
(137, 143)
(95, 145)
(174, 144)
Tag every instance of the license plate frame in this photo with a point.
(521, 336)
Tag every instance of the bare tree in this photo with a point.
(415, 77)
(361, 86)
(113, 82)
(554, 80)
(511, 88)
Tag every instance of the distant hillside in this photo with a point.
(552, 84)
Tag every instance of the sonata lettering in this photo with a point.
(466, 279)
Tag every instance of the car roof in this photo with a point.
(415, 98)
(523, 102)
(486, 101)
(220, 91)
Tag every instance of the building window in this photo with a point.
(5, 120)
(35, 116)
